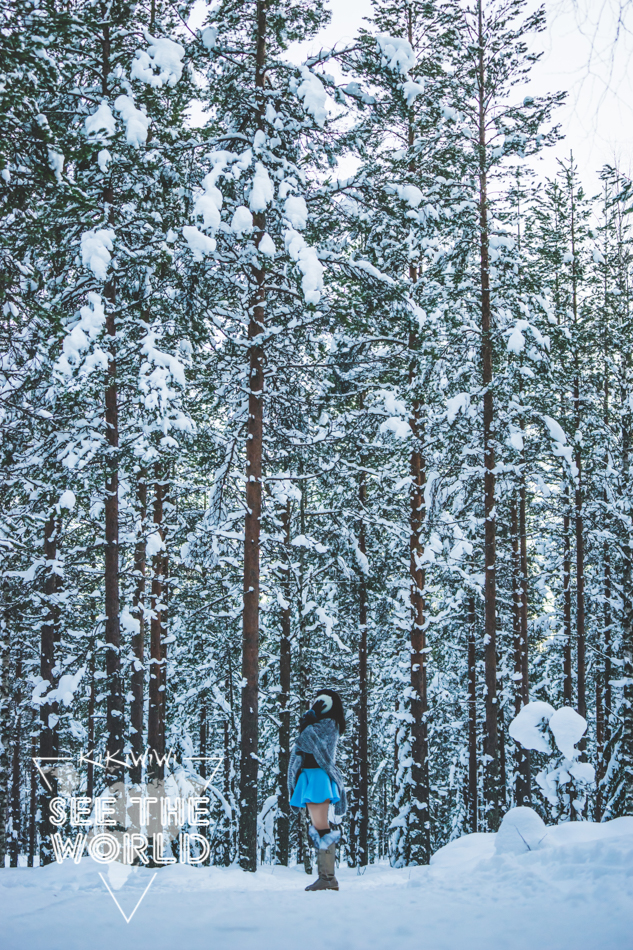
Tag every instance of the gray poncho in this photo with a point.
(320, 739)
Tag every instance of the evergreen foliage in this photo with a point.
(266, 429)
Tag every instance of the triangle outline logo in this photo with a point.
(138, 903)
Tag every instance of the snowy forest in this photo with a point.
(308, 379)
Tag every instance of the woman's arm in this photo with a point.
(312, 715)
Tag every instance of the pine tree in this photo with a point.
(620, 747)
(270, 110)
(396, 406)
(491, 57)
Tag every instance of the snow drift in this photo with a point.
(561, 887)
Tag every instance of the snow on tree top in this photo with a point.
(161, 64)
(397, 54)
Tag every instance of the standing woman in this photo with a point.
(315, 780)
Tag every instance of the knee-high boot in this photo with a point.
(326, 861)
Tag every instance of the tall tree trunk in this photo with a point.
(5, 701)
(602, 658)
(603, 673)
(32, 800)
(600, 762)
(521, 689)
(283, 804)
(568, 690)
(157, 678)
(49, 636)
(114, 708)
(114, 705)
(354, 811)
(578, 511)
(419, 825)
(524, 764)
(503, 778)
(249, 759)
(608, 626)
(16, 810)
(516, 610)
(165, 624)
(363, 713)
(226, 742)
(384, 820)
(137, 679)
(622, 799)
(520, 791)
(396, 746)
(202, 745)
(607, 613)
(491, 750)
(304, 852)
(228, 730)
(90, 769)
(580, 596)
(524, 640)
(473, 790)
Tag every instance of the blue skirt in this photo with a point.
(314, 785)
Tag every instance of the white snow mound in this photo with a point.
(573, 892)
(521, 830)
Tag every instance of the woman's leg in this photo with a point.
(326, 856)
(318, 814)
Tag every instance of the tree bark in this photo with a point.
(249, 759)
(114, 708)
(354, 810)
(49, 636)
(137, 679)
(157, 677)
(524, 638)
(603, 686)
(578, 510)
(90, 769)
(114, 704)
(473, 789)
(622, 798)
(604, 729)
(420, 830)
(396, 746)
(303, 671)
(203, 739)
(568, 690)
(32, 801)
(516, 608)
(580, 597)
(363, 712)
(283, 804)
(491, 750)
(503, 779)
(521, 694)
(16, 810)
(608, 626)
(5, 700)
(228, 730)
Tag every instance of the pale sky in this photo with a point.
(581, 55)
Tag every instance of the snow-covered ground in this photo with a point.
(573, 891)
